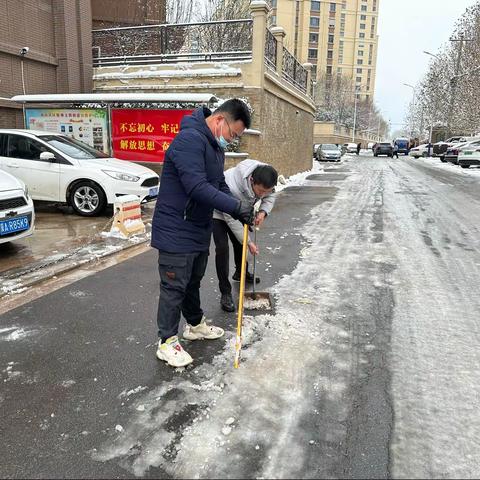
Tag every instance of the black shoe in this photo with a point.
(227, 302)
(248, 277)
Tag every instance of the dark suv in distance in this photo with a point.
(383, 148)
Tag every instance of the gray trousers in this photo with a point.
(180, 277)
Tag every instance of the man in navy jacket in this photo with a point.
(192, 186)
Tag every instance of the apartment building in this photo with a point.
(336, 36)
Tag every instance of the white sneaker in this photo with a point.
(173, 353)
(202, 331)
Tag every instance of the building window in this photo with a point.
(340, 59)
(359, 79)
(333, 7)
(330, 54)
(362, 26)
(359, 70)
(344, 5)
(273, 19)
(312, 53)
(359, 61)
(313, 38)
(329, 70)
(363, 17)
(362, 35)
(364, 8)
(274, 3)
(331, 38)
(339, 71)
(360, 53)
(315, 6)
(314, 21)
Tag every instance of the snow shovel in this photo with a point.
(238, 342)
(256, 300)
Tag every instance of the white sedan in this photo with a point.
(17, 216)
(420, 151)
(57, 168)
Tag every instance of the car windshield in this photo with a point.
(73, 148)
(385, 144)
(329, 146)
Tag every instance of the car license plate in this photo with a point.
(14, 225)
(153, 192)
(467, 153)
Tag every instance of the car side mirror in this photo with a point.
(47, 157)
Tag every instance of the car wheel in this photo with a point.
(87, 198)
(442, 159)
(465, 166)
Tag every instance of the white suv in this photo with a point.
(57, 168)
(17, 217)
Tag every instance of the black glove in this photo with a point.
(244, 212)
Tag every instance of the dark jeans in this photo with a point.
(221, 234)
(180, 277)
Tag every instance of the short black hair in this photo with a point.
(265, 175)
(237, 110)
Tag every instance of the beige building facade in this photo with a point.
(339, 37)
(283, 113)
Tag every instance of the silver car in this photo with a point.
(328, 152)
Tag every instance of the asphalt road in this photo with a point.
(368, 367)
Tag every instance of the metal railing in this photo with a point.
(293, 71)
(171, 43)
(270, 50)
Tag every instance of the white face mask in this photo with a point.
(222, 143)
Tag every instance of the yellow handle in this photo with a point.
(238, 343)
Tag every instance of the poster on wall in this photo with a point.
(87, 125)
(144, 135)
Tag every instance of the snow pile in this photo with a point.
(259, 407)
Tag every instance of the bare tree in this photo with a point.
(449, 93)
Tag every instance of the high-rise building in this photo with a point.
(339, 37)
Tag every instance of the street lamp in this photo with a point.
(432, 55)
(358, 88)
(413, 104)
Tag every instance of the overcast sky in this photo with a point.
(406, 29)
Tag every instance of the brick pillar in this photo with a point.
(308, 67)
(259, 9)
(279, 34)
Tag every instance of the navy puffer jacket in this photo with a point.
(192, 186)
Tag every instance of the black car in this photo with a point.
(383, 148)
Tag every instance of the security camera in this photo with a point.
(24, 51)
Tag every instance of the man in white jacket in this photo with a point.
(250, 181)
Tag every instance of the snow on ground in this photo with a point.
(258, 408)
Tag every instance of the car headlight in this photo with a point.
(25, 191)
(126, 177)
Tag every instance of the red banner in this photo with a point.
(144, 135)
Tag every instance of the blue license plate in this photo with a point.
(153, 192)
(14, 225)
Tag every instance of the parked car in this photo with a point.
(57, 168)
(17, 216)
(440, 148)
(420, 151)
(383, 148)
(349, 148)
(328, 152)
(315, 147)
(402, 145)
(451, 155)
(468, 156)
